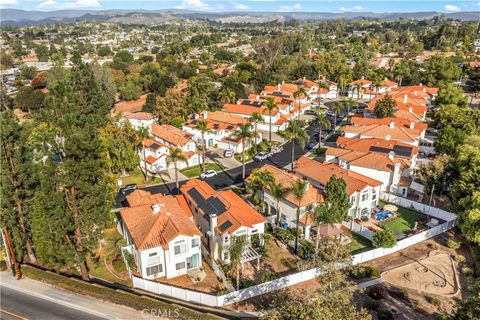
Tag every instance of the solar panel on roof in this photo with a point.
(227, 224)
(379, 149)
(402, 150)
(155, 146)
(210, 206)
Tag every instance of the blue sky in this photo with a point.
(252, 5)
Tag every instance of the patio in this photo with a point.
(405, 221)
(210, 284)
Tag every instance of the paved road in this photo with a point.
(233, 176)
(19, 305)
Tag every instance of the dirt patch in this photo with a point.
(436, 275)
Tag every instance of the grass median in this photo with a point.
(111, 295)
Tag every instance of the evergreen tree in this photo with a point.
(15, 189)
(385, 107)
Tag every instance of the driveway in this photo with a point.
(215, 155)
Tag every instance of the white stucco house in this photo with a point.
(161, 235)
(364, 192)
(139, 120)
(222, 216)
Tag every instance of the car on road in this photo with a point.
(330, 113)
(129, 187)
(208, 174)
(228, 153)
(262, 155)
(309, 147)
(310, 112)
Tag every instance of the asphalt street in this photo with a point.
(233, 176)
(17, 305)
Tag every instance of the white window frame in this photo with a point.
(195, 242)
(180, 244)
(150, 270)
(180, 263)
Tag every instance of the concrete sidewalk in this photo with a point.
(70, 300)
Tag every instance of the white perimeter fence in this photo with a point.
(292, 279)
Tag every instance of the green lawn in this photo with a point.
(238, 157)
(405, 221)
(196, 170)
(136, 176)
(359, 243)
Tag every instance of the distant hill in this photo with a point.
(15, 17)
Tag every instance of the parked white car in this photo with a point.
(262, 155)
(208, 174)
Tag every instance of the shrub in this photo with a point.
(130, 261)
(459, 259)
(403, 293)
(377, 292)
(245, 283)
(467, 271)
(118, 264)
(433, 246)
(269, 276)
(283, 235)
(453, 244)
(384, 239)
(305, 249)
(364, 272)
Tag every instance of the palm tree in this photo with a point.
(301, 91)
(323, 123)
(350, 104)
(143, 134)
(203, 127)
(245, 134)
(254, 119)
(295, 132)
(259, 180)
(298, 190)
(271, 105)
(337, 107)
(277, 190)
(175, 155)
(359, 87)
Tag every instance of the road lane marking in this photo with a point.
(13, 314)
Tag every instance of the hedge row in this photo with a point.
(111, 295)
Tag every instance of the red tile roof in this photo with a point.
(321, 172)
(171, 134)
(405, 123)
(149, 229)
(238, 213)
(367, 144)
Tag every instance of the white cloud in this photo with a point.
(193, 4)
(451, 8)
(8, 3)
(239, 6)
(54, 4)
(351, 9)
(289, 8)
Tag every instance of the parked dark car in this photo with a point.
(129, 187)
(309, 146)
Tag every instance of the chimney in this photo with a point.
(405, 98)
(391, 155)
(424, 89)
(304, 78)
(415, 93)
(412, 125)
(279, 87)
(307, 185)
(410, 109)
(283, 81)
(392, 124)
(196, 116)
(362, 78)
(205, 115)
(155, 208)
(257, 97)
(213, 223)
(387, 137)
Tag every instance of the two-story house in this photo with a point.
(285, 209)
(221, 128)
(156, 151)
(139, 120)
(364, 192)
(223, 216)
(160, 235)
